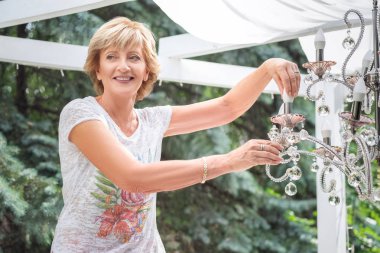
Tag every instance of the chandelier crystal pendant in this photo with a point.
(360, 140)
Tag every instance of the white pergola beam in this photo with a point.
(331, 220)
(72, 57)
(24, 11)
(209, 74)
(42, 53)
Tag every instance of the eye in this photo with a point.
(135, 58)
(111, 57)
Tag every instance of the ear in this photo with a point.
(146, 76)
(98, 76)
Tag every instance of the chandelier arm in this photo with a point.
(350, 87)
(367, 164)
(335, 163)
(349, 25)
(327, 147)
(276, 179)
(308, 91)
(323, 180)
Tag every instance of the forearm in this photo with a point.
(174, 174)
(240, 98)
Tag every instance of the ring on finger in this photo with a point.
(262, 147)
(296, 72)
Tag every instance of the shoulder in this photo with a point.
(79, 104)
(77, 111)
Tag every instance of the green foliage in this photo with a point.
(30, 204)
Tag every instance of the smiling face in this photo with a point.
(122, 71)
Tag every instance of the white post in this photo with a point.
(331, 220)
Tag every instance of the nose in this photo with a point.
(123, 65)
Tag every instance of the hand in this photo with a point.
(254, 152)
(286, 75)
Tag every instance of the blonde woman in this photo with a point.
(110, 151)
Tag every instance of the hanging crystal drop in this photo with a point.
(285, 131)
(292, 151)
(294, 173)
(349, 97)
(304, 134)
(351, 158)
(296, 158)
(347, 136)
(292, 139)
(329, 77)
(354, 179)
(329, 170)
(314, 167)
(273, 133)
(372, 138)
(290, 189)
(348, 43)
(334, 199)
(308, 80)
(326, 161)
(323, 110)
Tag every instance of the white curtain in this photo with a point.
(259, 22)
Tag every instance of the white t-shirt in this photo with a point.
(97, 215)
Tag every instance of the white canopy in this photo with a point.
(259, 22)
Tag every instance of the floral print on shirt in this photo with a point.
(124, 212)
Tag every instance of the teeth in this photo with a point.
(123, 78)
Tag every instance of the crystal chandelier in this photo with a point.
(360, 142)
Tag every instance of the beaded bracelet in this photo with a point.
(204, 177)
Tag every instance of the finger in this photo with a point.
(298, 79)
(285, 80)
(271, 149)
(271, 143)
(262, 161)
(279, 83)
(266, 156)
(293, 80)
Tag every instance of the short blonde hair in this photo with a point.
(121, 32)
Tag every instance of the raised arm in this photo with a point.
(97, 143)
(222, 110)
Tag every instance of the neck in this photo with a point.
(121, 111)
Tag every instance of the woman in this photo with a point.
(110, 152)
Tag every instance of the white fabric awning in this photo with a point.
(259, 22)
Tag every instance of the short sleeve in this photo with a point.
(157, 117)
(166, 115)
(74, 113)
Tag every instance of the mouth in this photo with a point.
(123, 78)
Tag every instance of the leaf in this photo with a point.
(105, 181)
(106, 189)
(104, 206)
(100, 197)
